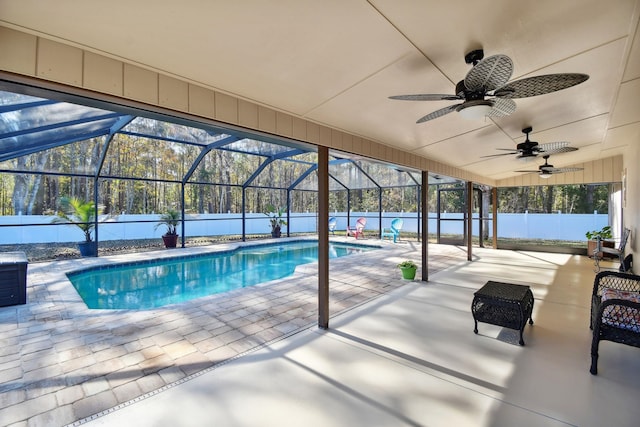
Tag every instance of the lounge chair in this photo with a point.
(357, 230)
(333, 222)
(619, 251)
(393, 231)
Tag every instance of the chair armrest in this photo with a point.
(614, 251)
(615, 280)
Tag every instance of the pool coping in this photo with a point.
(209, 251)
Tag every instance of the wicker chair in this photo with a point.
(615, 311)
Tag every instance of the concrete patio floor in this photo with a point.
(400, 353)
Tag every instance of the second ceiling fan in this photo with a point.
(546, 170)
(529, 148)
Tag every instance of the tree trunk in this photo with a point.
(549, 200)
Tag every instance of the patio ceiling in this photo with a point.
(336, 63)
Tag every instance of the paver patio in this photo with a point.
(61, 362)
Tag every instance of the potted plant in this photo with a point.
(82, 214)
(276, 220)
(170, 220)
(408, 269)
(593, 236)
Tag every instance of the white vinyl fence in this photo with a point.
(21, 229)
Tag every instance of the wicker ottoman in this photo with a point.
(13, 278)
(503, 304)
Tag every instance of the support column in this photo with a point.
(244, 215)
(424, 200)
(182, 211)
(494, 212)
(95, 219)
(323, 237)
(469, 224)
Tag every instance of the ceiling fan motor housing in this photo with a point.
(526, 149)
(474, 56)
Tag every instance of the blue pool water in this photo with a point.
(157, 283)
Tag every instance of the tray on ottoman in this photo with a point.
(503, 304)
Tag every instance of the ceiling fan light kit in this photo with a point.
(475, 110)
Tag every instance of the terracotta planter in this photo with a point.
(593, 244)
(170, 240)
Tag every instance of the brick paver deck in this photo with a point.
(61, 362)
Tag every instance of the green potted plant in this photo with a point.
(81, 214)
(169, 220)
(408, 269)
(276, 220)
(593, 236)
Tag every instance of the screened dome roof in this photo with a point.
(30, 124)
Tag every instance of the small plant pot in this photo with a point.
(593, 244)
(276, 232)
(88, 249)
(170, 241)
(408, 273)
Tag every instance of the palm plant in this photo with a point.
(77, 212)
(275, 219)
(170, 220)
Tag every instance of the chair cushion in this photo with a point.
(618, 316)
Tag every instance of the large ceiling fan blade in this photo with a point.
(438, 113)
(529, 171)
(539, 85)
(550, 146)
(489, 74)
(502, 107)
(564, 170)
(501, 154)
(555, 148)
(427, 97)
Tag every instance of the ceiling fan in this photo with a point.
(546, 170)
(529, 148)
(485, 91)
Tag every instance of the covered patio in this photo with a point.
(316, 79)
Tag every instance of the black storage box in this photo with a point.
(13, 278)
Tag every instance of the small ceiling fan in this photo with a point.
(546, 170)
(529, 148)
(485, 91)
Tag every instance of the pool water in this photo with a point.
(156, 283)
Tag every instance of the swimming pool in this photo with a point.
(156, 283)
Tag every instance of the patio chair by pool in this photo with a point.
(358, 229)
(333, 222)
(394, 230)
(619, 251)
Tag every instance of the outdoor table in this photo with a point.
(503, 304)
